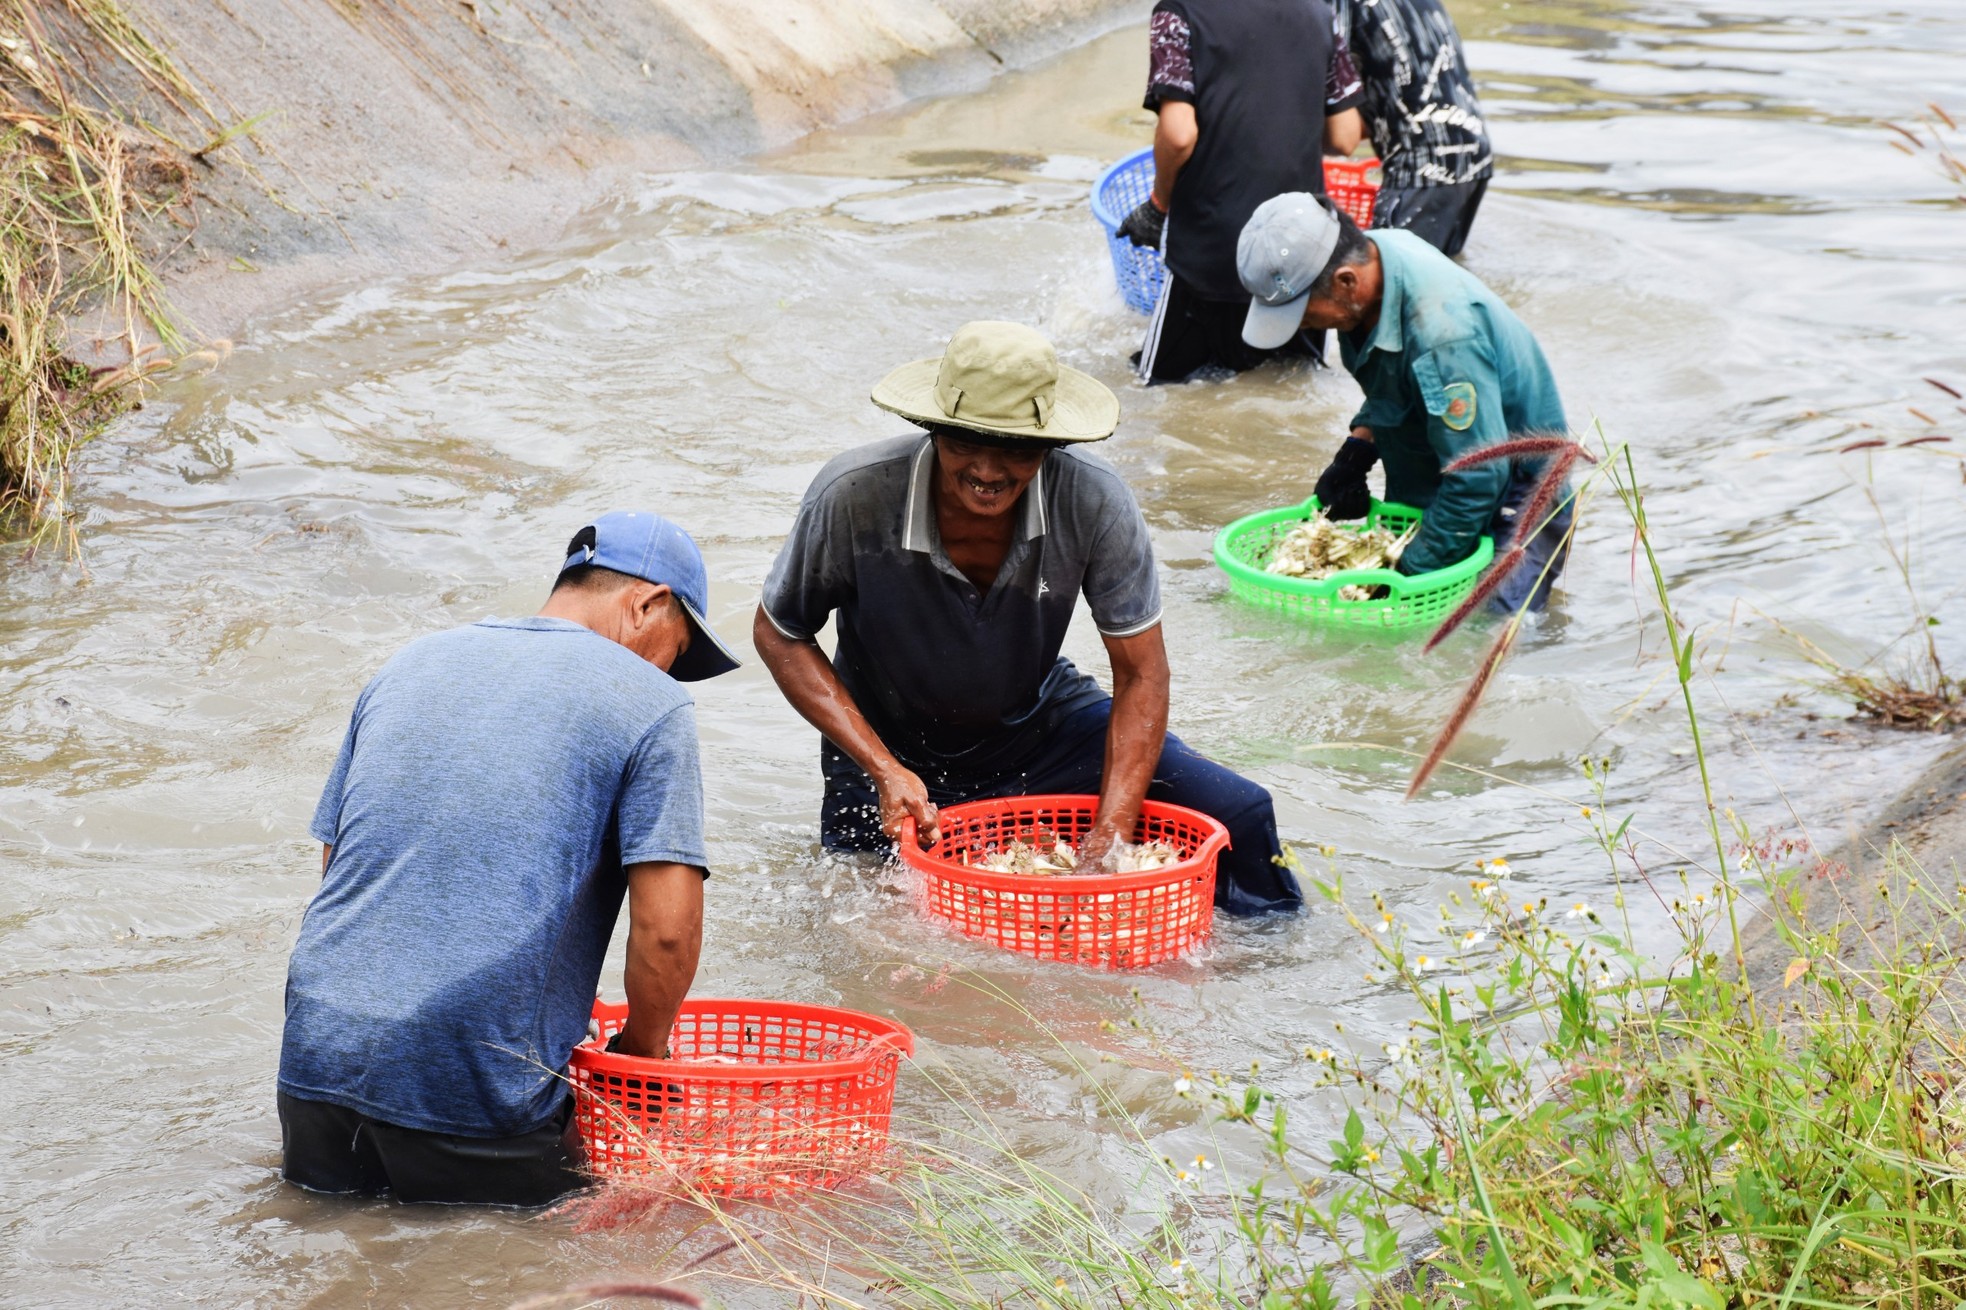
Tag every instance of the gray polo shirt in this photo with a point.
(952, 678)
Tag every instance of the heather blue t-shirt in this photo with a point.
(494, 782)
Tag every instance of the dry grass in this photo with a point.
(1934, 137)
(76, 181)
(1914, 691)
(1919, 694)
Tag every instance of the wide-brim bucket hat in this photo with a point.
(1004, 380)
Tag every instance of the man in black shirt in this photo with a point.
(1249, 94)
(1422, 115)
(951, 565)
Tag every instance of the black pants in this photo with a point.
(1250, 877)
(1439, 215)
(330, 1148)
(1188, 333)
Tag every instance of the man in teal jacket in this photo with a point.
(1446, 368)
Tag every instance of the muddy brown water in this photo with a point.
(1722, 254)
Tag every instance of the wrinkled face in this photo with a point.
(1344, 310)
(984, 480)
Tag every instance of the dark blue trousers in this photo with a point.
(1250, 877)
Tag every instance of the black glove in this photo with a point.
(1143, 226)
(1341, 490)
(614, 1046)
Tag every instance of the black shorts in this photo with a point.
(1188, 333)
(1439, 215)
(330, 1148)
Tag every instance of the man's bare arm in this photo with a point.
(1133, 737)
(1175, 135)
(665, 938)
(327, 853)
(1343, 132)
(808, 681)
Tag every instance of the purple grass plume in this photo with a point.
(585, 1293)
(1565, 454)
(1517, 447)
(1464, 708)
(1527, 523)
(1498, 573)
(1530, 520)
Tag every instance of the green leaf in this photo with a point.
(1381, 1248)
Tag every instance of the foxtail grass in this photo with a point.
(1562, 454)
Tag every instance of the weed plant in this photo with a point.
(1570, 1120)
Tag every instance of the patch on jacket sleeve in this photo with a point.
(1460, 411)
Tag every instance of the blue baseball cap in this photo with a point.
(650, 547)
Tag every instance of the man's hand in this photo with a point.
(614, 1047)
(1341, 489)
(1143, 227)
(809, 681)
(904, 796)
(1097, 850)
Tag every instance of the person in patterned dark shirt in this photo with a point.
(1249, 94)
(1422, 115)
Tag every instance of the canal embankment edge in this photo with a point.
(1919, 833)
(412, 136)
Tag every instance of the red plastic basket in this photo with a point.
(1112, 921)
(1353, 185)
(762, 1096)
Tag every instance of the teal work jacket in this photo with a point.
(1447, 369)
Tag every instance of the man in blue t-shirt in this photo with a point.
(501, 788)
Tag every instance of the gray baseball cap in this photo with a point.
(1284, 246)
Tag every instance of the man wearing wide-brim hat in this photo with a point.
(951, 565)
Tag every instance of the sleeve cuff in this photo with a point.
(662, 855)
(790, 634)
(1352, 101)
(1133, 629)
(1157, 95)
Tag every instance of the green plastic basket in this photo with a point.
(1243, 548)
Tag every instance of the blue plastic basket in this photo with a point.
(1117, 193)
(1352, 183)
